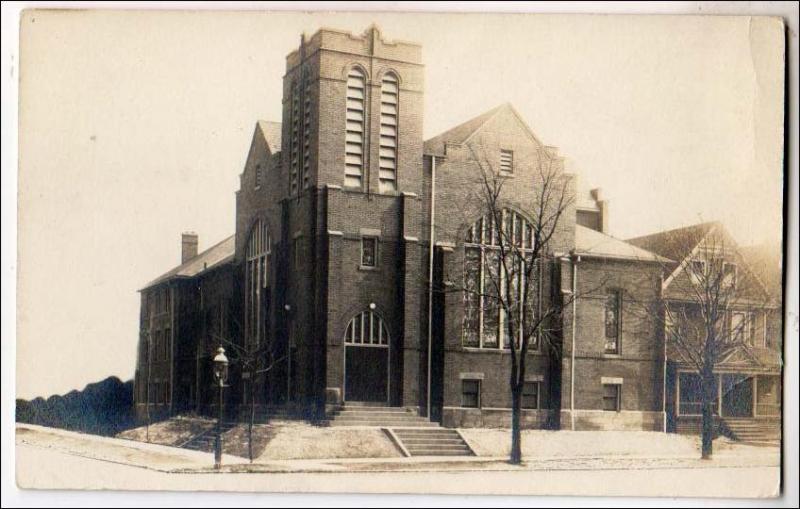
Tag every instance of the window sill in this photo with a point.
(612, 355)
(368, 268)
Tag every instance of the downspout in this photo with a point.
(575, 260)
(431, 241)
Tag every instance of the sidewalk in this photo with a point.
(176, 460)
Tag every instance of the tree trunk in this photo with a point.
(250, 423)
(516, 439)
(707, 429)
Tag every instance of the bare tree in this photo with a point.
(707, 313)
(518, 252)
(254, 360)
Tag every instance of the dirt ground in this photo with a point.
(298, 440)
(173, 432)
(558, 444)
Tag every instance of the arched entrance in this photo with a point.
(366, 359)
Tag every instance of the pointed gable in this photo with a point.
(501, 117)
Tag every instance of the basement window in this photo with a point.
(530, 395)
(612, 394)
(471, 393)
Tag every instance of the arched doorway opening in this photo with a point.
(366, 359)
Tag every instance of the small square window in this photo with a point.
(506, 161)
(471, 393)
(369, 251)
(611, 397)
(698, 268)
(530, 395)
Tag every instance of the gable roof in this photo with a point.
(216, 255)
(674, 244)
(463, 132)
(271, 131)
(589, 242)
(766, 262)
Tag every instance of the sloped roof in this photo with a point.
(589, 242)
(674, 244)
(766, 262)
(462, 132)
(272, 134)
(216, 255)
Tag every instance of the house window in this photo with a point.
(612, 315)
(369, 251)
(297, 250)
(530, 395)
(611, 397)
(729, 273)
(258, 176)
(354, 128)
(485, 323)
(471, 393)
(257, 266)
(506, 161)
(388, 140)
(167, 342)
(698, 269)
(742, 327)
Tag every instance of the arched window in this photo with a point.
(367, 328)
(257, 256)
(485, 323)
(388, 147)
(354, 128)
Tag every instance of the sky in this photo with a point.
(134, 127)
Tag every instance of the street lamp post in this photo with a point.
(220, 375)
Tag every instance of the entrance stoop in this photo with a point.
(378, 416)
(430, 442)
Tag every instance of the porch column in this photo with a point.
(719, 395)
(755, 395)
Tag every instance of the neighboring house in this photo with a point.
(748, 378)
(330, 264)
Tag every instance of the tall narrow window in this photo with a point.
(295, 138)
(612, 310)
(530, 395)
(258, 252)
(369, 251)
(486, 324)
(354, 129)
(306, 132)
(388, 146)
(258, 176)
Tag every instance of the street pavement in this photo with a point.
(61, 460)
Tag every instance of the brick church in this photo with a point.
(346, 217)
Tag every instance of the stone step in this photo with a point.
(421, 442)
(411, 432)
(381, 411)
(376, 408)
(439, 453)
(377, 423)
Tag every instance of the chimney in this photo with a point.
(188, 246)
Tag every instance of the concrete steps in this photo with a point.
(432, 442)
(754, 430)
(378, 416)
